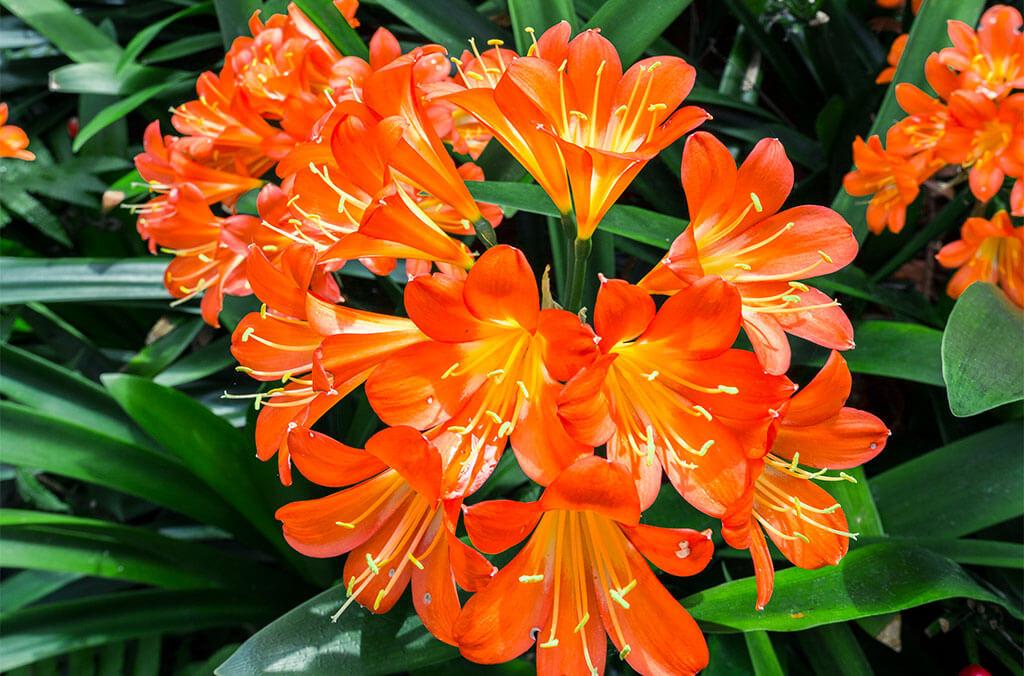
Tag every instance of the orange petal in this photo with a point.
(390, 578)
(769, 341)
(583, 406)
(434, 594)
(623, 312)
(709, 177)
(311, 526)
(677, 551)
(436, 305)
(497, 525)
(408, 453)
(472, 571)
(539, 440)
(848, 439)
(501, 288)
(291, 348)
(328, 462)
(824, 396)
(791, 242)
(700, 321)
(767, 173)
(283, 289)
(596, 485)
(567, 344)
(764, 568)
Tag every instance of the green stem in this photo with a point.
(581, 252)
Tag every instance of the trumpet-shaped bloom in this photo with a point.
(392, 522)
(893, 181)
(893, 59)
(989, 61)
(805, 523)
(738, 233)
(491, 371)
(988, 251)
(668, 392)
(922, 128)
(13, 140)
(573, 118)
(318, 350)
(985, 137)
(582, 575)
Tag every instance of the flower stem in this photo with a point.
(485, 232)
(581, 252)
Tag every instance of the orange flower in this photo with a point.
(899, 4)
(893, 59)
(988, 251)
(491, 371)
(582, 574)
(986, 137)
(572, 118)
(989, 61)
(923, 127)
(321, 351)
(737, 233)
(668, 392)
(805, 523)
(891, 179)
(392, 523)
(13, 140)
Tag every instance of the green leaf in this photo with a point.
(869, 581)
(539, 15)
(641, 225)
(78, 39)
(966, 551)
(52, 444)
(951, 216)
(186, 46)
(334, 26)
(27, 587)
(159, 354)
(858, 504)
(233, 17)
(762, 654)
(451, 23)
(982, 360)
(961, 488)
(203, 362)
(103, 77)
(81, 279)
(141, 39)
(39, 632)
(620, 22)
(833, 649)
(927, 34)
(122, 107)
(37, 215)
(70, 544)
(304, 640)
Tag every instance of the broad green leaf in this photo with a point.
(451, 23)
(43, 631)
(869, 581)
(304, 640)
(951, 216)
(81, 279)
(52, 389)
(858, 504)
(762, 654)
(27, 587)
(158, 355)
(203, 362)
(633, 223)
(78, 39)
(620, 21)
(122, 107)
(141, 39)
(52, 444)
(334, 26)
(833, 649)
(233, 18)
(37, 215)
(103, 77)
(982, 359)
(927, 35)
(186, 46)
(966, 551)
(71, 544)
(538, 15)
(956, 490)
(896, 350)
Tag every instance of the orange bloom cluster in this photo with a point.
(988, 251)
(13, 140)
(976, 123)
(482, 361)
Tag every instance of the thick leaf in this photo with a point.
(159, 354)
(54, 445)
(81, 279)
(966, 551)
(619, 22)
(951, 216)
(833, 649)
(122, 107)
(54, 629)
(869, 581)
(304, 640)
(762, 654)
(971, 484)
(927, 35)
(633, 223)
(982, 360)
(62, 393)
(858, 504)
(27, 587)
(78, 39)
(233, 18)
(451, 23)
(71, 544)
(104, 77)
(203, 362)
(333, 25)
(186, 46)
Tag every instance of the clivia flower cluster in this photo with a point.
(598, 414)
(977, 124)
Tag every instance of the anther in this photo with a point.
(495, 42)
(583, 623)
(703, 411)
(684, 550)
(791, 299)
(527, 579)
(706, 447)
(824, 256)
(617, 597)
(757, 202)
(549, 644)
(742, 266)
(248, 332)
(371, 564)
(799, 286)
(451, 370)
(263, 311)
(351, 585)
(414, 560)
(380, 597)
(344, 524)
(493, 416)
(624, 653)
(728, 389)
(652, 375)
(522, 389)
(496, 373)
(505, 429)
